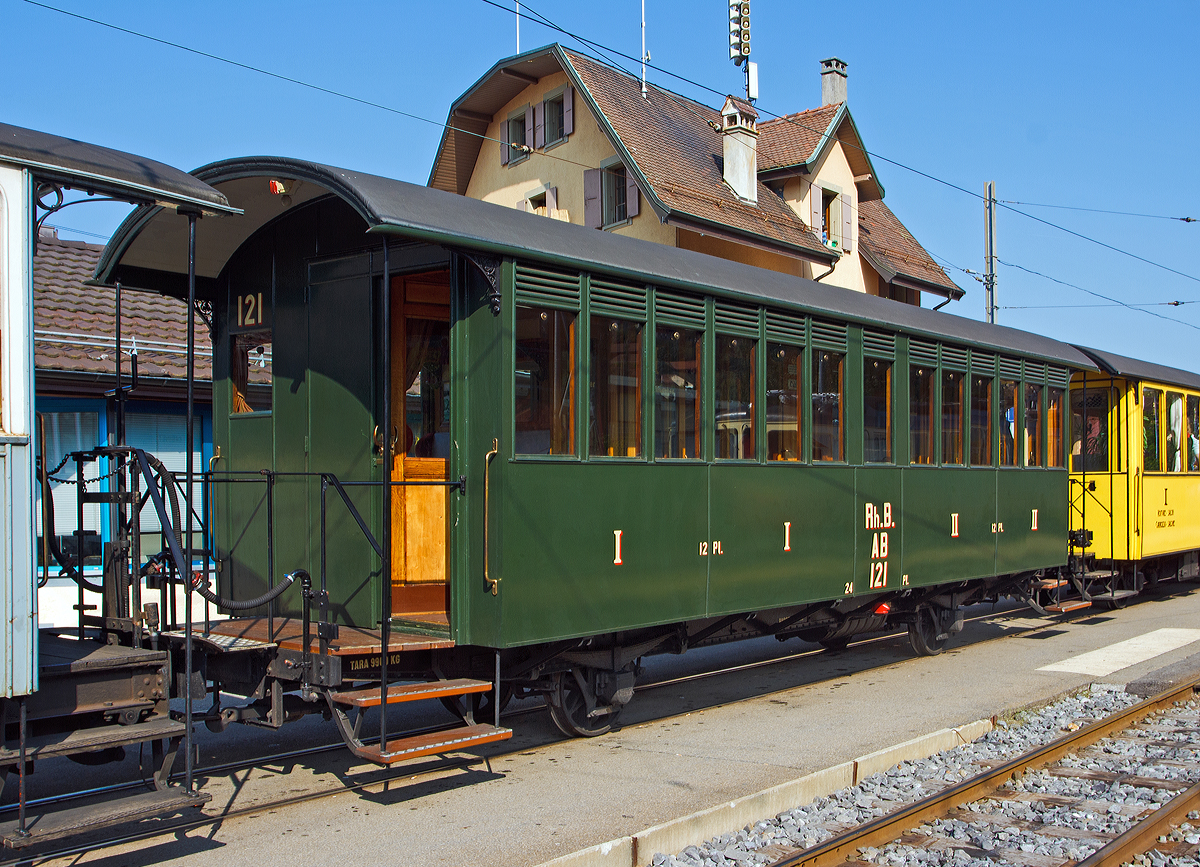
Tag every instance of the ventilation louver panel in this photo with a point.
(685, 310)
(786, 329)
(921, 352)
(829, 335)
(1010, 368)
(954, 357)
(983, 362)
(877, 344)
(618, 299)
(1035, 372)
(1059, 377)
(541, 287)
(736, 319)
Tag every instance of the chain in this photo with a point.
(86, 482)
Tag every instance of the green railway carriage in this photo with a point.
(598, 447)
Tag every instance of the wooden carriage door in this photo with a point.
(420, 374)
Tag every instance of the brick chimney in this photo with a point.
(739, 137)
(833, 81)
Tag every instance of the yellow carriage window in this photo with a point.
(828, 403)
(734, 417)
(981, 421)
(784, 390)
(616, 411)
(1089, 431)
(1151, 457)
(920, 414)
(877, 411)
(953, 386)
(1033, 425)
(544, 386)
(678, 362)
(1010, 406)
(1175, 439)
(1054, 428)
(1193, 433)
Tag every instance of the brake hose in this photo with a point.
(200, 585)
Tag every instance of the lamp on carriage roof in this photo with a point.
(284, 188)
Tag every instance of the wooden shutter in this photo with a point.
(814, 204)
(505, 150)
(631, 195)
(592, 216)
(551, 201)
(847, 221)
(539, 124)
(529, 125)
(568, 111)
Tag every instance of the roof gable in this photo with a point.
(796, 143)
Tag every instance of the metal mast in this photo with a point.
(989, 248)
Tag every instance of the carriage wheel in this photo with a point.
(568, 707)
(923, 633)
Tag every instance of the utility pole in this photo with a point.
(645, 56)
(518, 26)
(989, 248)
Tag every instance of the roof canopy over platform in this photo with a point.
(1134, 368)
(136, 255)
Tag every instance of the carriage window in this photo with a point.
(1174, 450)
(877, 411)
(250, 372)
(1010, 404)
(545, 383)
(828, 400)
(981, 421)
(1054, 428)
(953, 386)
(735, 397)
(1193, 433)
(1151, 460)
(1089, 431)
(1033, 425)
(920, 414)
(678, 361)
(784, 391)
(427, 391)
(615, 420)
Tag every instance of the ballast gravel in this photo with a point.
(810, 824)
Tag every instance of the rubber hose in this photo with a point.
(245, 604)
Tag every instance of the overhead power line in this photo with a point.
(1099, 211)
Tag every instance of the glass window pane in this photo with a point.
(1174, 450)
(953, 386)
(784, 386)
(545, 382)
(1054, 428)
(1089, 430)
(735, 397)
(1151, 398)
(250, 372)
(678, 361)
(920, 414)
(827, 405)
(427, 392)
(616, 408)
(1193, 435)
(1033, 425)
(981, 421)
(1009, 405)
(877, 411)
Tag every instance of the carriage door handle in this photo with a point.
(492, 583)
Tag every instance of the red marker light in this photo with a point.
(883, 608)
(277, 188)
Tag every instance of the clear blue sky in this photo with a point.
(1086, 104)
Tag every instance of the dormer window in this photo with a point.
(832, 217)
(518, 133)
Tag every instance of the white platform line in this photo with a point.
(1123, 654)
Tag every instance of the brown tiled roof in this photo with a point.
(74, 324)
(790, 140)
(891, 245)
(687, 176)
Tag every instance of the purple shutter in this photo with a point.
(847, 222)
(631, 196)
(505, 150)
(591, 199)
(539, 124)
(551, 201)
(568, 111)
(529, 125)
(814, 201)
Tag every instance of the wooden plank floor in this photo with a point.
(289, 634)
(59, 655)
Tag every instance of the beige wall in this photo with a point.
(689, 240)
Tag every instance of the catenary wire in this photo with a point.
(1098, 211)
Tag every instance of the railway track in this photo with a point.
(1126, 783)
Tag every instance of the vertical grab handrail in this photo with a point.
(492, 583)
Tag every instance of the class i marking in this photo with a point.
(617, 542)
(954, 524)
(787, 535)
(1034, 527)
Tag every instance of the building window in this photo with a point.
(877, 411)
(981, 421)
(832, 217)
(612, 194)
(615, 418)
(678, 362)
(544, 387)
(735, 397)
(554, 120)
(784, 391)
(828, 393)
(543, 201)
(1151, 460)
(518, 132)
(921, 383)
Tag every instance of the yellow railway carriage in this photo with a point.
(1135, 475)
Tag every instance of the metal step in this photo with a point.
(1050, 583)
(64, 823)
(396, 693)
(415, 746)
(88, 740)
(1066, 607)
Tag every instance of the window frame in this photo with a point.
(574, 367)
(558, 95)
(889, 409)
(515, 155)
(606, 174)
(644, 429)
